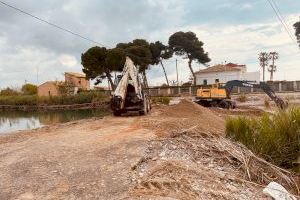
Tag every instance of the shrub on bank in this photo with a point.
(242, 98)
(84, 97)
(274, 137)
(162, 100)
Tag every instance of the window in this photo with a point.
(217, 80)
(204, 82)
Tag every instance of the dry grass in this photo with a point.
(242, 98)
(274, 137)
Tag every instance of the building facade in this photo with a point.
(77, 80)
(49, 88)
(73, 82)
(224, 73)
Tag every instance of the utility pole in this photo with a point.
(273, 68)
(263, 61)
(177, 73)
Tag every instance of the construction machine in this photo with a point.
(219, 95)
(129, 94)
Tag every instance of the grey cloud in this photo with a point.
(25, 42)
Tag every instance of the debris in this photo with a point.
(278, 192)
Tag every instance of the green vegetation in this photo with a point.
(29, 89)
(267, 103)
(242, 98)
(161, 100)
(274, 137)
(187, 44)
(9, 92)
(99, 62)
(83, 97)
(297, 31)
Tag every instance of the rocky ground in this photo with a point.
(175, 152)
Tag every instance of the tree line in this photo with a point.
(100, 62)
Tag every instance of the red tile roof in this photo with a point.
(221, 68)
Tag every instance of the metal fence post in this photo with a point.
(295, 86)
(279, 87)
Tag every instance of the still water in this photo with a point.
(11, 121)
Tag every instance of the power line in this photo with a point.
(281, 20)
(51, 24)
(282, 17)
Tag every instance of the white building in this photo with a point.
(224, 73)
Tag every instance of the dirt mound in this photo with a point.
(186, 115)
(194, 166)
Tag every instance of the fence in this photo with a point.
(277, 86)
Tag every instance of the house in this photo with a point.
(77, 80)
(49, 88)
(223, 73)
(73, 82)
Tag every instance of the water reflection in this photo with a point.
(19, 120)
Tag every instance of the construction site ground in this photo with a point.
(174, 152)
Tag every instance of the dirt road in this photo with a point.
(175, 152)
(83, 160)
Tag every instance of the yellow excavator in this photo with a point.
(219, 95)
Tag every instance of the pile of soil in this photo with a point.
(169, 121)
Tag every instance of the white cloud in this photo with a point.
(242, 44)
(67, 60)
(246, 6)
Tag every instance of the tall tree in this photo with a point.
(98, 63)
(297, 31)
(273, 68)
(263, 61)
(187, 44)
(139, 51)
(159, 52)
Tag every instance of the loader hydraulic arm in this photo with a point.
(261, 85)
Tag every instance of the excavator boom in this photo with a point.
(261, 85)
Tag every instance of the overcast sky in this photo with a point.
(232, 30)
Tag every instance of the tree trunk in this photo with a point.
(164, 72)
(110, 81)
(192, 71)
(145, 79)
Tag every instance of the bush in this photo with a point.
(274, 137)
(29, 89)
(19, 100)
(242, 98)
(162, 100)
(267, 103)
(84, 97)
(9, 92)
